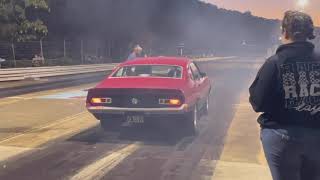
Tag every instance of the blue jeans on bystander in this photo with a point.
(292, 153)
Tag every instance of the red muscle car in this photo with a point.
(149, 89)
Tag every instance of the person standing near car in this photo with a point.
(137, 52)
(287, 92)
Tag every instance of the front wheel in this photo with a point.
(192, 121)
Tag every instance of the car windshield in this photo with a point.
(166, 71)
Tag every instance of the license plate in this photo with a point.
(135, 119)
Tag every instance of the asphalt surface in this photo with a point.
(49, 135)
(15, 88)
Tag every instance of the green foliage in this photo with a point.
(19, 20)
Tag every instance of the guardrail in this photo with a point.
(208, 59)
(16, 74)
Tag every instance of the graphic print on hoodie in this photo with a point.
(301, 84)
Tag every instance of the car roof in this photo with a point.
(178, 61)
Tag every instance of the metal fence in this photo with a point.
(14, 74)
(64, 52)
(75, 52)
(60, 52)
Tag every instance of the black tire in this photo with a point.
(206, 106)
(110, 124)
(192, 122)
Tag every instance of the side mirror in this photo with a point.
(203, 74)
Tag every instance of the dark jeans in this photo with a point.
(292, 153)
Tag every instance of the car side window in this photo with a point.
(120, 72)
(195, 71)
(190, 74)
(197, 67)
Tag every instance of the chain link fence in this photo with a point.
(66, 52)
(61, 52)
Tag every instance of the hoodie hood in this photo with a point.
(296, 49)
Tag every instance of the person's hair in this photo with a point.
(298, 26)
(137, 47)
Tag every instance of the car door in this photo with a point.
(202, 85)
(193, 88)
(198, 85)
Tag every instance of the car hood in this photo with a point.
(142, 83)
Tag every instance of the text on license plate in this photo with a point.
(136, 119)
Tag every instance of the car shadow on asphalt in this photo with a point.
(148, 135)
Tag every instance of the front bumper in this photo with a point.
(147, 111)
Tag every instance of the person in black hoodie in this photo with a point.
(287, 93)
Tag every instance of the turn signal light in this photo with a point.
(96, 100)
(174, 102)
(101, 100)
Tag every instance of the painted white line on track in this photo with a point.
(103, 166)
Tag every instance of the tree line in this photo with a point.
(22, 20)
(162, 23)
(159, 24)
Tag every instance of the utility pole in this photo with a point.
(82, 58)
(14, 55)
(41, 48)
(64, 49)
